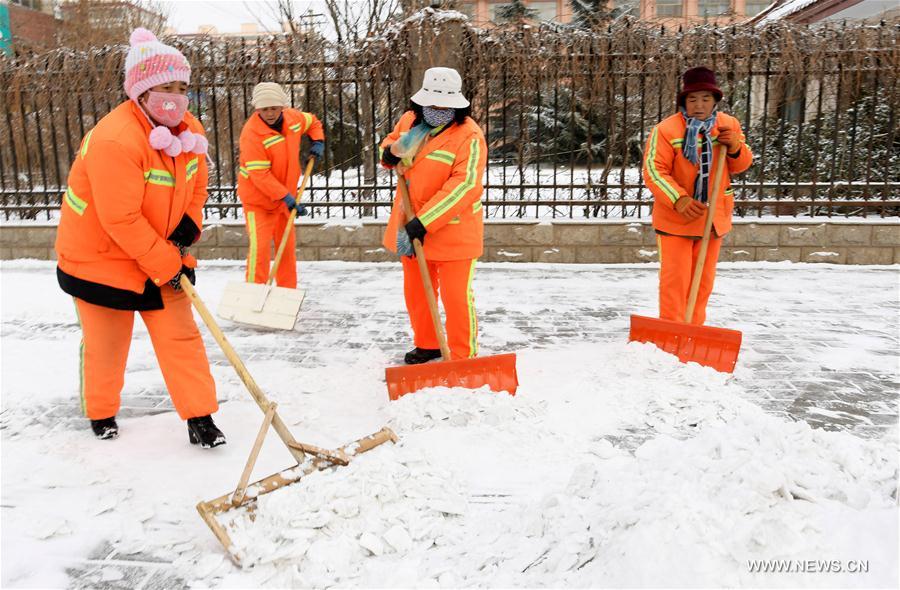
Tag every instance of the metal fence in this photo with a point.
(566, 114)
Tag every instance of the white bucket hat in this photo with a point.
(441, 87)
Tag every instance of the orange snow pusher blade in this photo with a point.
(712, 347)
(498, 372)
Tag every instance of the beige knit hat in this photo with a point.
(269, 94)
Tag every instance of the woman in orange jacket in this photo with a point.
(442, 154)
(269, 172)
(678, 165)
(133, 204)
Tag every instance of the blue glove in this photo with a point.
(290, 202)
(404, 246)
(317, 149)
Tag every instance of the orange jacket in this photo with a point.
(670, 175)
(124, 199)
(270, 161)
(445, 187)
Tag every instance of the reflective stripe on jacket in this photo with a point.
(670, 175)
(445, 187)
(270, 164)
(124, 199)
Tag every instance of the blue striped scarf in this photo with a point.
(695, 128)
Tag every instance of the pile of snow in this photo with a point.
(489, 490)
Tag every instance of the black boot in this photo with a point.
(417, 355)
(106, 428)
(203, 431)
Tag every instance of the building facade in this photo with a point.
(484, 12)
(31, 23)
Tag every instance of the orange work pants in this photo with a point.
(451, 279)
(677, 257)
(106, 338)
(265, 228)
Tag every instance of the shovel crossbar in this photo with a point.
(211, 509)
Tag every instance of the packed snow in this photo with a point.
(482, 489)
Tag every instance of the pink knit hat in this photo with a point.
(150, 63)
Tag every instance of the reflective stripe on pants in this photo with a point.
(452, 281)
(179, 349)
(264, 229)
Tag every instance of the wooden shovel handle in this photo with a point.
(707, 230)
(290, 223)
(258, 396)
(423, 271)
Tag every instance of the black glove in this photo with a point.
(186, 271)
(302, 211)
(185, 233)
(388, 158)
(415, 230)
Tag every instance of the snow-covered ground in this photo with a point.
(614, 465)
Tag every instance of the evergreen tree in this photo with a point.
(590, 13)
(515, 12)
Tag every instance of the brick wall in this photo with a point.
(34, 27)
(566, 242)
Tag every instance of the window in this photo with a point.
(32, 4)
(754, 7)
(631, 7)
(545, 10)
(668, 8)
(706, 8)
(467, 8)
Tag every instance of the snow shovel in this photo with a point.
(709, 346)
(266, 305)
(245, 494)
(498, 372)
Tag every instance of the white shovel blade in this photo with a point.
(241, 303)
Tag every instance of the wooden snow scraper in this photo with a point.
(245, 494)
